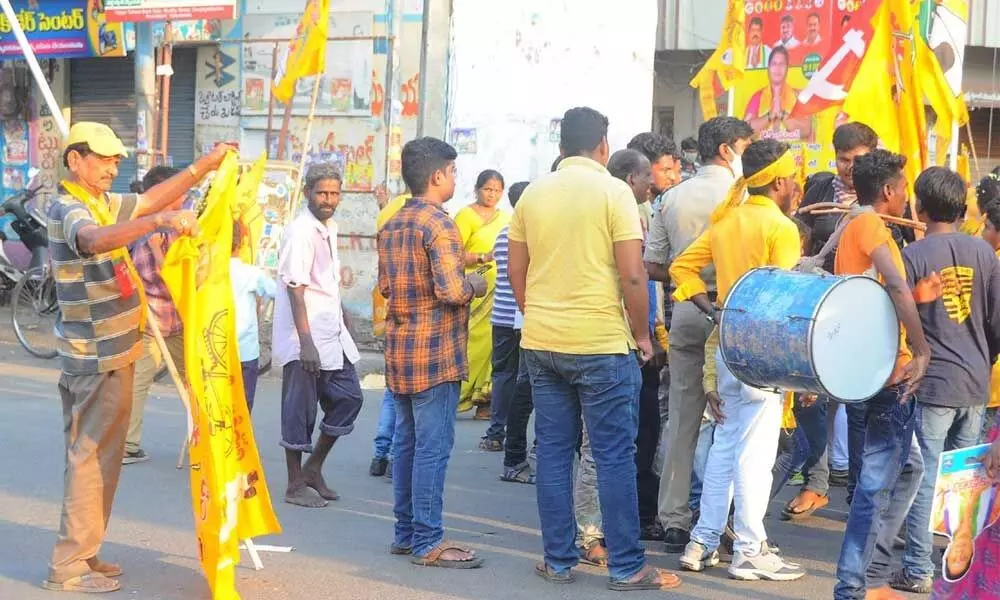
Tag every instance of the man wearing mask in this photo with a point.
(683, 216)
(689, 158)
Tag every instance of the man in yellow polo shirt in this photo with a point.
(575, 265)
(743, 235)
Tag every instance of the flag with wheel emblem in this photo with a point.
(228, 490)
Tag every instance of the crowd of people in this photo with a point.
(593, 306)
(608, 249)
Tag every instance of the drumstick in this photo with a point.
(820, 206)
(888, 218)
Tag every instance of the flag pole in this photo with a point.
(36, 70)
(305, 145)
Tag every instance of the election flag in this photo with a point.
(229, 494)
(307, 51)
(726, 64)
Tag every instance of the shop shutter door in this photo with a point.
(103, 90)
(182, 106)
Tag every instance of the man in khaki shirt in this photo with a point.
(683, 216)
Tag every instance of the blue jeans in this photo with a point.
(882, 497)
(811, 421)
(857, 417)
(604, 389)
(938, 429)
(386, 427)
(505, 361)
(425, 435)
(794, 451)
(705, 435)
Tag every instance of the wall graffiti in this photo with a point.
(217, 105)
(409, 94)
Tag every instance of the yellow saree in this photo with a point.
(478, 236)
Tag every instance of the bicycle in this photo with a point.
(34, 311)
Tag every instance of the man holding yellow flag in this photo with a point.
(102, 316)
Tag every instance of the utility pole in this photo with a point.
(422, 91)
(145, 97)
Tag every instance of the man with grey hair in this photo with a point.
(311, 341)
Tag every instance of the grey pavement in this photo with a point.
(340, 551)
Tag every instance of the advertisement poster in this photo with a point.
(965, 504)
(62, 29)
(168, 10)
(345, 87)
(794, 46)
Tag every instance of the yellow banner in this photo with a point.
(228, 491)
(307, 52)
(726, 65)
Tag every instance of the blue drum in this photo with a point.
(801, 332)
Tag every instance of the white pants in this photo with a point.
(739, 463)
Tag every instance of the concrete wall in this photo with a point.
(518, 66)
(351, 130)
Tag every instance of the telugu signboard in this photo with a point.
(62, 29)
(169, 10)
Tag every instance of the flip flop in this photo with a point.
(652, 580)
(400, 550)
(815, 502)
(592, 558)
(88, 583)
(548, 574)
(433, 558)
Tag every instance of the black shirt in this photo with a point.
(961, 321)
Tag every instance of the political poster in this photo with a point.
(62, 29)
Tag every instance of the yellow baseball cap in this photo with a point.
(99, 137)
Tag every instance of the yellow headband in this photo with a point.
(784, 166)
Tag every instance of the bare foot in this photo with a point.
(314, 479)
(304, 496)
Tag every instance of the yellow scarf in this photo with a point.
(102, 215)
(784, 166)
(766, 105)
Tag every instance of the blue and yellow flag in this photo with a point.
(307, 52)
(229, 493)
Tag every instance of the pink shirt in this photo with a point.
(308, 258)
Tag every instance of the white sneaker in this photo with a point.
(696, 557)
(765, 565)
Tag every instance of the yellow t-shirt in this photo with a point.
(569, 221)
(389, 210)
(754, 234)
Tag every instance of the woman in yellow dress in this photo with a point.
(480, 223)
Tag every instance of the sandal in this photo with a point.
(549, 574)
(400, 550)
(654, 579)
(88, 583)
(803, 505)
(433, 558)
(490, 445)
(594, 554)
(522, 473)
(104, 568)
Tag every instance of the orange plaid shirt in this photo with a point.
(421, 270)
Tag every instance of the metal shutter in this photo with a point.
(180, 142)
(103, 90)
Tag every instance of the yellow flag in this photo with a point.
(228, 491)
(726, 64)
(889, 70)
(307, 52)
(247, 212)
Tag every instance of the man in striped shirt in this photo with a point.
(102, 315)
(512, 394)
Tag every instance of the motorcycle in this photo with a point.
(24, 238)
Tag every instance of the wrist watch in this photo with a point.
(481, 258)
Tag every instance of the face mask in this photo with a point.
(691, 157)
(736, 164)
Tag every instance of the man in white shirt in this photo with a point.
(787, 39)
(311, 341)
(249, 283)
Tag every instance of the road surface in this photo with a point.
(340, 551)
